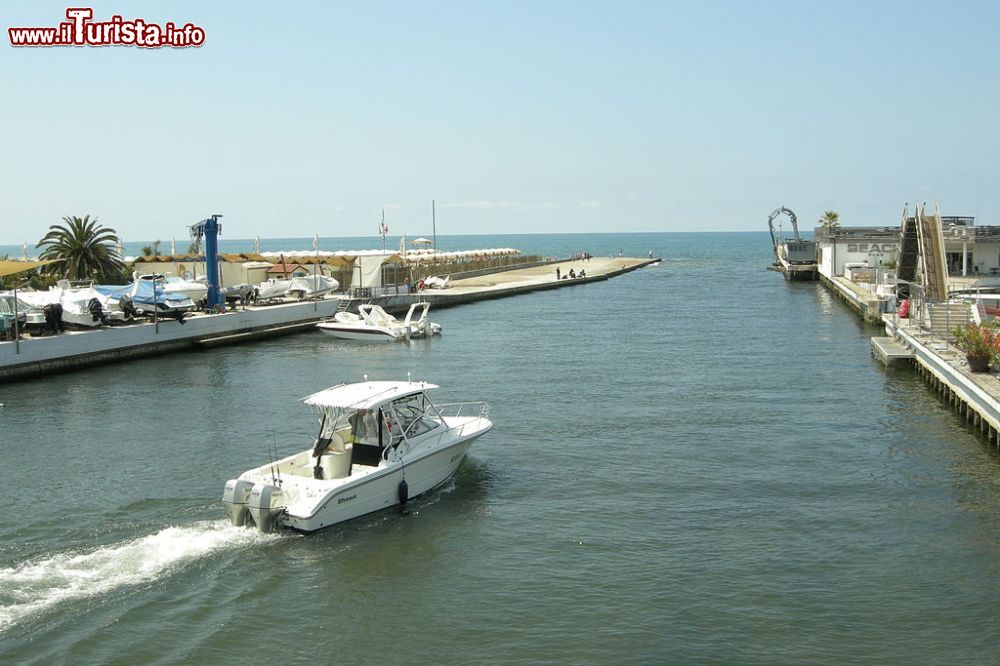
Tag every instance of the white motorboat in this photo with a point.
(379, 444)
(79, 306)
(372, 323)
(311, 286)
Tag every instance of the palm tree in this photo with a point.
(830, 220)
(82, 249)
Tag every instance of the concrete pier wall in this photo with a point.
(72, 350)
(974, 396)
(55, 353)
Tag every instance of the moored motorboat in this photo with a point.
(380, 443)
(375, 324)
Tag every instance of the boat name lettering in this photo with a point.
(455, 457)
(341, 500)
(871, 247)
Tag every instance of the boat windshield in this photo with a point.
(414, 414)
(350, 425)
(408, 417)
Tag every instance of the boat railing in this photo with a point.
(457, 409)
(445, 411)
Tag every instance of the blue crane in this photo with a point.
(210, 230)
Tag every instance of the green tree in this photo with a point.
(830, 220)
(82, 248)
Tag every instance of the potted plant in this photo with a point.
(980, 344)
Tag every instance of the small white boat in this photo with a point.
(375, 324)
(379, 444)
(311, 286)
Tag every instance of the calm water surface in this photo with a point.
(692, 462)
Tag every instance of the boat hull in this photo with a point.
(381, 490)
(366, 333)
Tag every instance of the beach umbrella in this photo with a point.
(421, 241)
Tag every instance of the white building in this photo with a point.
(970, 250)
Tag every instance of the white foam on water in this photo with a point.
(29, 588)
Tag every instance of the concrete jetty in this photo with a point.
(513, 282)
(924, 344)
(975, 396)
(34, 356)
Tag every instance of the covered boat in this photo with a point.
(311, 286)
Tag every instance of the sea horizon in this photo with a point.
(530, 243)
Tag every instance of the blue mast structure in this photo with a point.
(210, 230)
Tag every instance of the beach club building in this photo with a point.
(970, 250)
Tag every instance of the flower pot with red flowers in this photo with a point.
(981, 344)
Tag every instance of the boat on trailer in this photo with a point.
(379, 444)
(374, 324)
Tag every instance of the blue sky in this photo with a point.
(516, 117)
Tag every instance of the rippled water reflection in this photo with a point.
(695, 461)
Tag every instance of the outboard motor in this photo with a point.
(266, 504)
(53, 317)
(236, 497)
(128, 307)
(96, 310)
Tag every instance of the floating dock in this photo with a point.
(35, 356)
(891, 352)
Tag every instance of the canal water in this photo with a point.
(693, 462)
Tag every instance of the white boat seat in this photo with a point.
(337, 444)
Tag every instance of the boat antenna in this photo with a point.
(272, 453)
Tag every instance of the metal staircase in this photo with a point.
(946, 317)
(909, 254)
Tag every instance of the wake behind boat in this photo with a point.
(374, 324)
(379, 444)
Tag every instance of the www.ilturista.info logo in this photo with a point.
(80, 30)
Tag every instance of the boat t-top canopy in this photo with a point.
(365, 395)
